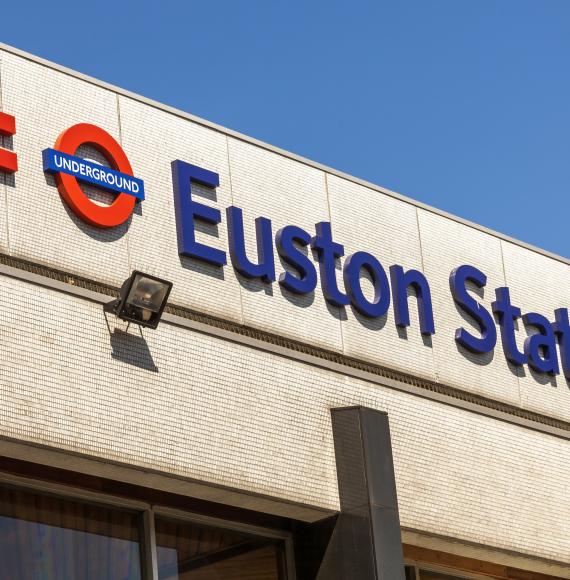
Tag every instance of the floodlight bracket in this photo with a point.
(117, 306)
(112, 306)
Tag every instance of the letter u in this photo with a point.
(265, 268)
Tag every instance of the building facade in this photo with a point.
(205, 448)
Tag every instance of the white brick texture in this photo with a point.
(41, 227)
(199, 407)
(203, 408)
(35, 224)
(447, 245)
(152, 235)
(538, 285)
(265, 184)
(387, 228)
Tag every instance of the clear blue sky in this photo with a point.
(461, 104)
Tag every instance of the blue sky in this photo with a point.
(461, 104)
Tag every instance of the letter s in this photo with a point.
(457, 282)
(306, 280)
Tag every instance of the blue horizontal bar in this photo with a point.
(99, 175)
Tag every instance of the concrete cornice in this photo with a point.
(100, 293)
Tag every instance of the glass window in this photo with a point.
(43, 536)
(427, 575)
(187, 551)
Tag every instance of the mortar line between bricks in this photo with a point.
(327, 195)
(240, 289)
(127, 236)
(433, 361)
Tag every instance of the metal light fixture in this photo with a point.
(142, 300)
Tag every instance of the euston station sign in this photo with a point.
(546, 345)
(539, 350)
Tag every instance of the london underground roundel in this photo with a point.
(69, 170)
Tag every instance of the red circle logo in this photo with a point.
(102, 216)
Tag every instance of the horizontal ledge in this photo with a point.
(155, 479)
(183, 317)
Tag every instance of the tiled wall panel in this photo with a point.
(154, 139)
(41, 227)
(269, 185)
(6, 142)
(365, 220)
(538, 285)
(199, 407)
(445, 246)
(36, 225)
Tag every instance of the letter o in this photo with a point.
(351, 274)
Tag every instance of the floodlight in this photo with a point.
(142, 300)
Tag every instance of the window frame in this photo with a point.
(417, 566)
(232, 526)
(147, 513)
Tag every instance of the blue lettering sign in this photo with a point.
(328, 252)
(353, 266)
(458, 284)
(401, 281)
(561, 328)
(294, 246)
(186, 209)
(265, 267)
(540, 348)
(285, 241)
(508, 314)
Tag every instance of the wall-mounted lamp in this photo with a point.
(142, 300)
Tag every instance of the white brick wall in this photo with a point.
(538, 285)
(152, 235)
(365, 220)
(265, 184)
(210, 410)
(202, 408)
(3, 179)
(35, 224)
(40, 226)
(446, 245)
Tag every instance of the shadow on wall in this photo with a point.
(299, 300)
(544, 378)
(132, 348)
(483, 359)
(254, 284)
(202, 267)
